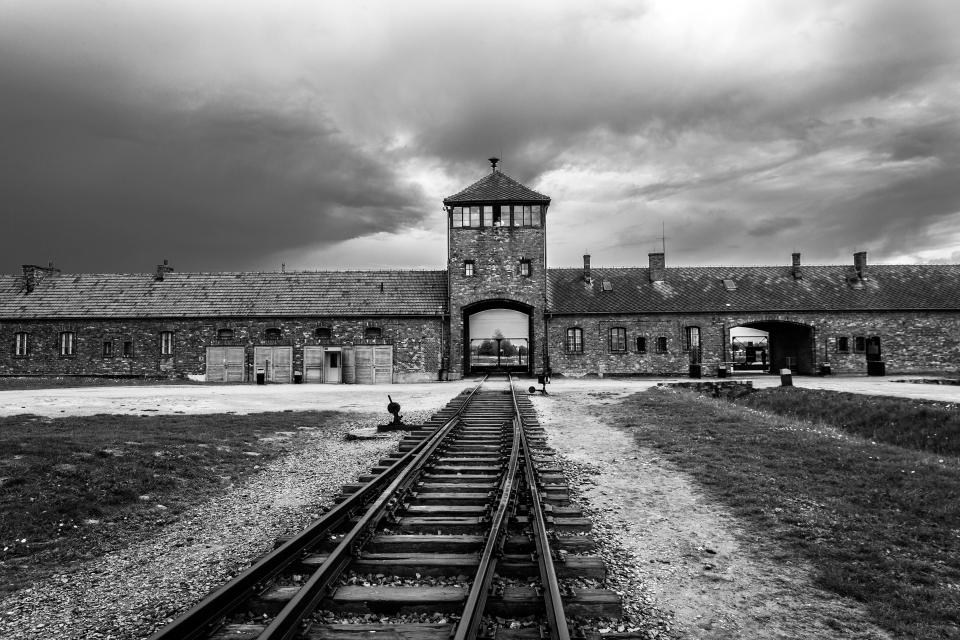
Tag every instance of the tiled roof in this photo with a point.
(755, 289)
(113, 295)
(496, 187)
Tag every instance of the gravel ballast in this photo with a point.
(130, 593)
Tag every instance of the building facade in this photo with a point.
(497, 305)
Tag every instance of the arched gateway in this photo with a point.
(496, 273)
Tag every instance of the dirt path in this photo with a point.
(691, 553)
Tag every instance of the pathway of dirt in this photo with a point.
(693, 555)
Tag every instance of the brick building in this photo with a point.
(496, 306)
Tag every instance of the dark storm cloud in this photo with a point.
(269, 131)
(98, 176)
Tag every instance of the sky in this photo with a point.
(227, 135)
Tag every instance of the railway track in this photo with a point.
(465, 531)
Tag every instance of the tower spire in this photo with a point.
(493, 163)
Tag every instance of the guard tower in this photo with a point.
(497, 276)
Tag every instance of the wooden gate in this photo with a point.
(277, 363)
(225, 364)
(313, 364)
(374, 364)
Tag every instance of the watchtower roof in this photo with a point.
(496, 186)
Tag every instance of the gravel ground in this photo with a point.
(130, 593)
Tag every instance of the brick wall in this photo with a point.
(416, 344)
(910, 342)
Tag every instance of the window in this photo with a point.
(693, 338)
(128, 348)
(526, 215)
(641, 345)
(662, 344)
(859, 344)
(107, 350)
(487, 216)
(468, 268)
(21, 342)
(272, 333)
(456, 217)
(67, 343)
(574, 340)
(525, 268)
(166, 343)
(474, 217)
(843, 344)
(617, 339)
(372, 333)
(224, 335)
(501, 216)
(322, 333)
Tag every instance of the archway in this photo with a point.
(788, 345)
(497, 337)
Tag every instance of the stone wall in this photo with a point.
(497, 253)
(417, 344)
(911, 342)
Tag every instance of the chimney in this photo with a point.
(797, 272)
(860, 264)
(34, 274)
(658, 267)
(163, 269)
(586, 268)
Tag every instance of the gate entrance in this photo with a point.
(787, 345)
(497, 339)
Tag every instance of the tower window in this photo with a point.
(526, 215)
(525, 268)
(501, 216)
(617, 339)
(574, 340)
(487, 216)
(21, 342)
(474, 217)
(468, 268)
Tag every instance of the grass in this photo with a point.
(915, 424)
(74, 488)
(878, 523)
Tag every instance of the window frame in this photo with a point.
(843, 344)
(21, 344)
(67, 344)
(372, 333)
(469, 269)
(127, 349)
(106, 349)
(166, 343)
(226, 334)
(663, 345)
(617, 340)
(641, 344)
(576, 344)
(323, 333)
(272, 334)
(525, 268)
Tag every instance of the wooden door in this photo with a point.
(313, 364)
(225, 364)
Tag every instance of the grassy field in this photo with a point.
(879, 523)
(74, 488)
(916, 424)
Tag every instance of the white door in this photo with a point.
(332, 366)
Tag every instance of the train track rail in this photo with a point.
(466, 531)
